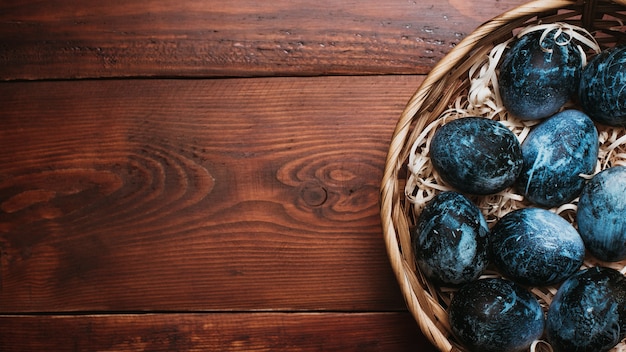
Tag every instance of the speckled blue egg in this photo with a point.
(495, 315)
(556, 152)
(601, 214)
(587, 312)
(534, 246)
(602, 91)
(476, 155)
(535, 83)
(450, 240)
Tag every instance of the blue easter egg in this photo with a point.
(555, 153)
(538, 77)
(602, 90)
(534, 246)
(601, 214)
(494, 315)
(450, 240)
(587, 313)
(476, 155)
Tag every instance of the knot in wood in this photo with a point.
(313, 194)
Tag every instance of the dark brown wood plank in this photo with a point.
(199, 38)
(214, 332)
(196, 194)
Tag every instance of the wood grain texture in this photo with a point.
(196, 194)
(224, 332)
(230, 214)
(64, 39)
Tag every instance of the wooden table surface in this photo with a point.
(203, 175)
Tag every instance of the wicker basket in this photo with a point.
(440, 90)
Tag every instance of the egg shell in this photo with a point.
(476, 155)
(495, 315)
(587, 312)
(537, 79)
(601, 214)
(534, 246)
(602, 90)
(450, 240)
(555, 153)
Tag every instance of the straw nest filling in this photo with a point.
(482, 99)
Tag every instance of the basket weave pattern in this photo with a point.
(440, 91)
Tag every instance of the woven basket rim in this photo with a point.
(421, 304)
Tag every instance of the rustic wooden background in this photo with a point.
(202, 175)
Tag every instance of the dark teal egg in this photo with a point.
(556, 152)
(601, 214)
(587, 313)
(495, 315)
(537, 79)
(602, 91)
(476, 155)
(534, 246)
(450, 240)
